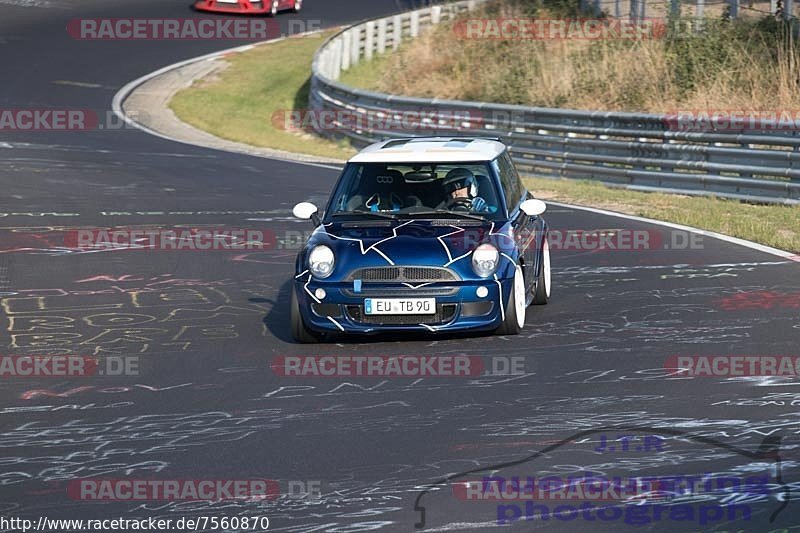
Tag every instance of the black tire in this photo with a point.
(300, 333)
(543, 280)
(511, 325)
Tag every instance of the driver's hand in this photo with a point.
(478, 204)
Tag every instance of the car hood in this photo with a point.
(407, 242)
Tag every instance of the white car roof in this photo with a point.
(430, 150)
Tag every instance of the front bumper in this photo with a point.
(458, 308)
(247, 7)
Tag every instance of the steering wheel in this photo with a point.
(460, 204)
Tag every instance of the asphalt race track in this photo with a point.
(206, 326)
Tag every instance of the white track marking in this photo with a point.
(733, 240)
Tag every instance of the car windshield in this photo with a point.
(417, 190)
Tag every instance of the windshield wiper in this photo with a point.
(446, 213)
(377, 214)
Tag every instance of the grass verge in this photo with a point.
(247, 102)
(239, 102)
(777, 226)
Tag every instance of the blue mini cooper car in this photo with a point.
(423, 234)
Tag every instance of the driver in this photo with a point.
(461, 188)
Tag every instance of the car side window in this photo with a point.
(510, 179)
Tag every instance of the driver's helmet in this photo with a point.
(460, 178)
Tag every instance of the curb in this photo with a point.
(118, 102)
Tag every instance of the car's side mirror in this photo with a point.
(305, 211)
(533, 208)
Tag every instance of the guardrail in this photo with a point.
(633, 150)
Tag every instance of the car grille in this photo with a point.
(404, 292)
(444, 313)
(401, 274)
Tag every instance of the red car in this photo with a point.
(253, 7)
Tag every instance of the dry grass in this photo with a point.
(749, 64)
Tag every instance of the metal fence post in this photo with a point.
(355, 45)
(336, 68)
(436, 14)
(382, 36)
(345, 40)
(698, 13)
(397, 22)
(734, 8)
(414, 24)
(369, 39)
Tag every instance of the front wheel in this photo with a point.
(300, 333)
(543, 279)
(515, 310)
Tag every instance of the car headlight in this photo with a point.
(320, 261)
(484, 260)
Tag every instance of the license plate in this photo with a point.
(400, 306)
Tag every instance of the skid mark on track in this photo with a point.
(28, 3)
